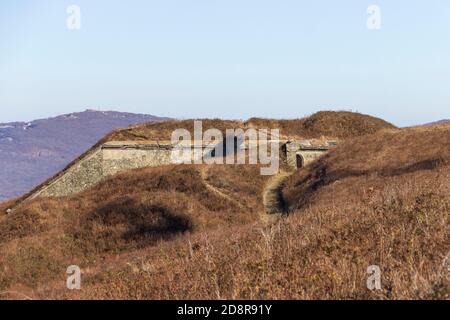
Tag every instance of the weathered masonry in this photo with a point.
(113, 157)
(301, 153)
(108, 159)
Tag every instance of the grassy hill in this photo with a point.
(129, 211)
(379, 200)
(328, 124)
(183, 232)
(325, 124)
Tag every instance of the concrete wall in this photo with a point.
(308, 151)
(115, 157)
(101, 163)
(116, 160)
(84, 174)
(308, 156)
(109, 159)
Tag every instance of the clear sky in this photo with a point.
(226, 58)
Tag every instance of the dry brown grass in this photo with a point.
(385, 200)
(319, 253)
(129, 211)
(388, 153)
(329, 124)
(324, 124)
(381, 199)
(390, 208)
(6, 205)
(163, 130)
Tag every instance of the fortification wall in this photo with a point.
(116, 160)
(80, 176)
(307, 151)
(114, 157)
(105, 161)
(109, 159)
(307, 156)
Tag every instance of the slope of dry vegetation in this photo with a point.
(330, 124)
(130, 211)
(324, 124)
(381, 200)
(188, 232)
(384, 202)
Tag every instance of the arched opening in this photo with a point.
(300, 161)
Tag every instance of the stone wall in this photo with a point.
(116, 160)
(85, 173)
(307, 150)
(111, 158)
(114, 157)
(307, 157)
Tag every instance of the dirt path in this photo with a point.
(273, 198)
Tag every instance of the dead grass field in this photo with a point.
(129, 211)
(324, 124)
(186, 232)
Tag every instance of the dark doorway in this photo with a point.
(300, 161)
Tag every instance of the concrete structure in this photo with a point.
(106, 160)
(114, 157)
(303, 152)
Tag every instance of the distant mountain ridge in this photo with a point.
(443, 121)
(30, 152)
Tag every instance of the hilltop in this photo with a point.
(317, 126)
(197, 231)
(324, 124)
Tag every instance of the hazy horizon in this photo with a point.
(225, 59)
(184, 118)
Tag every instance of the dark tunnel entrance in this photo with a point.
(300, 161)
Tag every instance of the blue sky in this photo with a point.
(226, 58)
